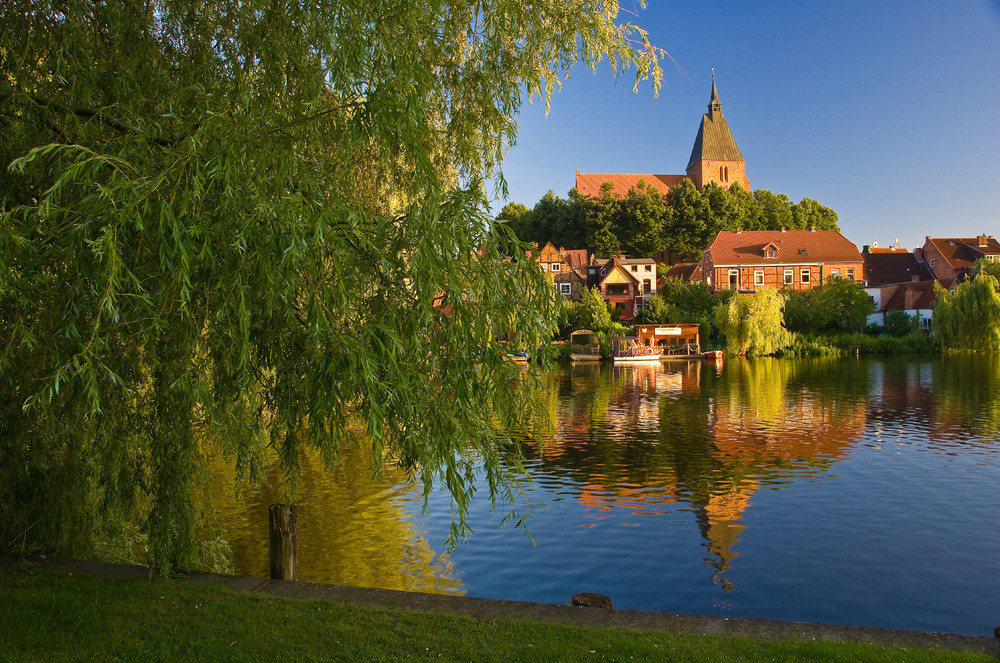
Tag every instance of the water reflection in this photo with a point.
(820, 490)
(354, 528)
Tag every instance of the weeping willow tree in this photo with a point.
(264, 225)
(754, 325)
(969, 318)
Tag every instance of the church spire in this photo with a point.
(714, 106)
(715, 156)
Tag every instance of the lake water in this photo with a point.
(851, 491)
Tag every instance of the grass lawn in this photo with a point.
(56, 617)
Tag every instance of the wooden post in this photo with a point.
(284, 535)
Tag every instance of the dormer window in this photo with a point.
(770, 250)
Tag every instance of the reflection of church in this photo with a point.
(651, 440)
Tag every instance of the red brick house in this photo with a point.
(784, 259)
(951, 258)
(715, 157)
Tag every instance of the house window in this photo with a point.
(545, 266)
(771, 253)
(835, 272)
(991, 258)
(647, 286)
(804, 275)
(617, 288)
(635, 268)
(758, 277)
(565, 289)
(789, 276)
(649, 268)
(555, 267)
(734, 279)
(849, 273)
(933, 262)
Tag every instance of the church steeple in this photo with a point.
(714, 106)
(715, 156)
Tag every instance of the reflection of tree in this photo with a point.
(353, 527)
(967, 394)
(642, 438)
(769, 418)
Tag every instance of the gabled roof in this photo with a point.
(961, 252)
(891, 265)
(715, 140)
(589, 184)
(622, 261)
(577, 258)
(796, 247)
(688, 271)
(911, 296)
(613, 264)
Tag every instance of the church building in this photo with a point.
(715, 157)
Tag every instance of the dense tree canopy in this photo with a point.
(644, 222)
(255, 229)
(753, 325)
(969, 318)
(839, 304)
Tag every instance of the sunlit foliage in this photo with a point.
(969, 318)
(246, 227)
(753, 325)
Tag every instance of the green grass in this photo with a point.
(53, 617)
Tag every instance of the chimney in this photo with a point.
(812, 228)
(983, 240)
(782, 228)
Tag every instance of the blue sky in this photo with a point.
(888, 111)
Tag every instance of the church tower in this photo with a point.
(715, 156)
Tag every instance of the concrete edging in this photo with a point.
(496, 610)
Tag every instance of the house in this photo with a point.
(620, 285)
(689, 272)
(784, 259)
(915, 298)
(715, 157)
(567, 269)
(898, 280)
(951, 258)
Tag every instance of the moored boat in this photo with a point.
(629, 349)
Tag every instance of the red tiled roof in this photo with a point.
(576, 258)
(589, 184)
(794, 247)
(911, 296)
(961, 252)
(688, 271)
(886, 266)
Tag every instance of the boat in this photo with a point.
(714, 355)
(518, 357)
(631, 349)
(586, 340)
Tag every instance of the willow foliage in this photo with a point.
(754, 325)
(261, 225)
(969, 318)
